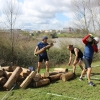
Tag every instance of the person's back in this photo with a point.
(88, 50)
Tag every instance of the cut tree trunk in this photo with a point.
(12, 79)
(27, 81)
(67, 76)
(53, 73)
(3, 80)
(25, 72)
(55, 77)
(8, 68)
(60, 70)
(1, 72)
(41, 82)
(37, 77)
(7, 74)
(45, 75)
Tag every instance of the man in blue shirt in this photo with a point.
(43, 55)
(90, 47)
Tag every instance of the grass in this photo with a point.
(59, 90)
(70, 35)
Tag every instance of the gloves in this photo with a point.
(91, 36)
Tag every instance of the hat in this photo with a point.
(45, 37)
(96, 39)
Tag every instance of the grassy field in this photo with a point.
(59, 90)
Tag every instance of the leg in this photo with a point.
(83, 72)
(88, 73)
(80, 64)
(47, 66)
(89, 69)
(39, 66)
(74, 66)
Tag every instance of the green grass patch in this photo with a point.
(59, 90)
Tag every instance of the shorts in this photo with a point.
(79, 59)
(87, 62)
(41, 58)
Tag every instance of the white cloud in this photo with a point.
(41, 14)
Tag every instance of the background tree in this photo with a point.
(86, 15)
(11, 12)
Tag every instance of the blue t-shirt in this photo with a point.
(40, 46)
(88, 50)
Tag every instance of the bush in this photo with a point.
(24, 46)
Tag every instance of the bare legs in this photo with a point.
(74, 65)
(40, 64)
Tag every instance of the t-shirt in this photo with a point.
(40, 46)
(88, 50)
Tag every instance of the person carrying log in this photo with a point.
(90, 47)
(78, 57)
(43, 48)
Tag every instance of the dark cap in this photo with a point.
(45, 37)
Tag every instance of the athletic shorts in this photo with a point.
(79, 58)
(87, 62)
(41, 58)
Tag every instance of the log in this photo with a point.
(37, 77)
(7, 74)
(20, 78)
(41, 82)
(27, 81)
(13, 67)
(53, 73)
(12, 79)
(43, 49)
(3, 80)
(25, 72)
(45, 75)
(8, 68)
(67, 76)
(55, 77)
(1, 73)
(60, 70)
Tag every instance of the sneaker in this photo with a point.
(81, 79)
(91, 84)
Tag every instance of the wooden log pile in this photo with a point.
(24, 77)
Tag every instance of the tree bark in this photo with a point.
(42, 82)
(27, 81)
(12, 79)
(67, 76)
(60, 70)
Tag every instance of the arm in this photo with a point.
(76, 55)
(95, 48)
(70, 58)
(36, 49)
(85, 39)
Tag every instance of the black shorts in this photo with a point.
(87, 62)
(41, 58)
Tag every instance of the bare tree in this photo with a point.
(11, 12)
(80, 11)
(87, 14)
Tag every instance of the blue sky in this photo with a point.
(61, 17)
(41, 14)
